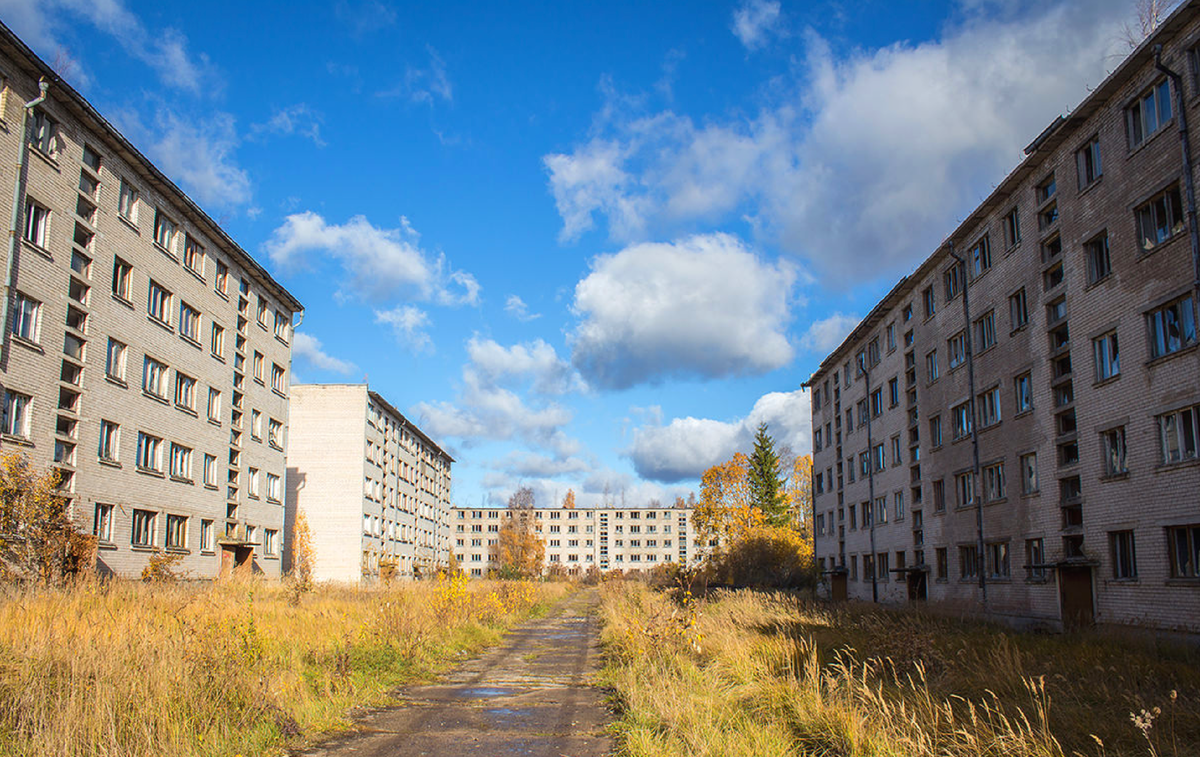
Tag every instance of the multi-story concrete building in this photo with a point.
(1014, 426)
(608, 538)
(373, 487)
(145, 355)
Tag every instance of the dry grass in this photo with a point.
(131, 669)
(746, 673)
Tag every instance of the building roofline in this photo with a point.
(408, 424)
(1059, 130)
(64, 93)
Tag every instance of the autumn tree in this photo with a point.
(38, 540)
(569, 500)
(519, 550)
(798, 493)
(303, 553)
(725, 509)
(766, 490)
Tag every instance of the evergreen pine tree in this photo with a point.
(766, 490)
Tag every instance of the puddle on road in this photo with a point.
(483, 692)
(506, 712)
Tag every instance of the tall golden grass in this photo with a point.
(748, 673)
(127, 669)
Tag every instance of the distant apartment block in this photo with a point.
(1039, 447)
(631, 539)
(146, 356)
(374, 488)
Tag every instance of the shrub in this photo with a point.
(767, 556)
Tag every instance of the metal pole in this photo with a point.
(981, 562)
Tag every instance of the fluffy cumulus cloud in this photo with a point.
(755, 21)
(686, 447)
(859, 162)
(703, 306)
(379, 263)
(824, 335)
(409, 324)
(517, 308)
(507, 393)
(309, 349)
(42, 22)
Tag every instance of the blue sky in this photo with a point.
(583, 245)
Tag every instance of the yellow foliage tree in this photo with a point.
(569, 500)
(38, 540)
(303, 552)
(725, 510)
(799, 493)
(518, 551)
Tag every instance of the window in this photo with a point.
(935, 431)
(998, 562)
(1113, 441)
(26, 317)
(218, 340)
(270, 542)
(277, 379)
(1179, 431)
(207, 536)
(16, 414)
(1029, 475)
(1012, 229)
(957, 347)
(143, 528)
(189, 322)
(185, 391)
(953, 279)
(1172, 327)
(1107, 355)
(164, 231)
(193, 255)
(176, 531)
(898, 505)
(275, 434)
(939, 495)
(985, 330)
(255, 424)
(981, 256)
(962, 420)
(1098, 261)
(1184, 545)
(964, 484)
(214, 404)
(1124, 558)
(989, 407)
(110, 441)
(254, 477)
(37, 223)
(1023, 391)
(943, 568)
(43, 133)
(210, 470)
(1160, 219)
(282, 325)
(931, 365)
(103, 524)
(1148, 113)
(1087, 162)
(891, 337)
(221, 281)
(122, 273)
(1035, 560)
(149, 455)
(158, 304)
(880, 457)
(127, 202)
(261, 312)
(968, 561)
(896, 456)
(930, 302)
(154, 378)
(258, 366)
(1046, 189)
(114, 364)
(993, 482)
(876, 403)
(273, 488)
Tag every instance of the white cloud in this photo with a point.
(826, 334)
(517, 308)
(196, 153)
(526, 464)
(310, 349)
(702, 306)
(754, 21)
(536, 361)
(42, 22)
(424, 85)
(408, 323)
(857, 163)
(379, 263)
(686, 447)
(295, 119)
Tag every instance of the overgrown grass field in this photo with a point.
(132, 670)
(752, 673)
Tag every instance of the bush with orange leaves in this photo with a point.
(38, 539)
(766, 556)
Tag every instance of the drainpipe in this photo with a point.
(975, 482)
(1188, 181)
(17, 204)
(871, 484)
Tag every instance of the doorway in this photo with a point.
(837, 584)
(1075, 592)
(917, 587)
